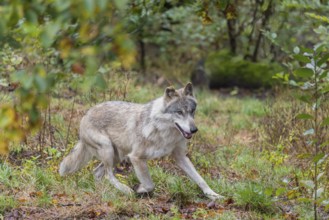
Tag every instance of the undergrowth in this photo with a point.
(226, 151)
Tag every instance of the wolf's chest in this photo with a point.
(162, 145)
(158, 152)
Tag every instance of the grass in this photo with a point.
(225, 151)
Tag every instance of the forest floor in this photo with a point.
(227, 151)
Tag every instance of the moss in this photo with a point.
(226, 71)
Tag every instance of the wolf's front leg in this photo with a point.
(142, 174)
(186, 165)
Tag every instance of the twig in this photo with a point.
(69, 127)
(42, 134)
(49, 124)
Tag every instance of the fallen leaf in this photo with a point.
(36, 194)
(22, 199)
(54, 201)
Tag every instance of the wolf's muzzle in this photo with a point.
(194, 130)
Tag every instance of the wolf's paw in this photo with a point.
(140, 189)
(141, 192)
(214, 196)
(128, 191)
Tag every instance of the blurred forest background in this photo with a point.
(260, 68)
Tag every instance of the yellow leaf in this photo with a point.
(205, 18)
(121, 178)
(22, 199)
(127, 60)
(54, 201)
(88, 32)
(230, 12)
(3, 147)
(88, 51)
(65, 46)
(230, 16)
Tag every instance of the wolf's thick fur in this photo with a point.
(112, 131)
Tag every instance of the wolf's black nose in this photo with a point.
(193, 130)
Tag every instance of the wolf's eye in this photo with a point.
(179, 112)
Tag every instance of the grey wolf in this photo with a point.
(115, 130)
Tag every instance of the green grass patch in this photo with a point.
(253, 196)
(7, 203)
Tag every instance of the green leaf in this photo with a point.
(28, 82)
(323, 59)
(324, 144)
(14, 16)
(306, 50)
(318, 157)
(49, 33)
(89, 5)
(306, 200)
(305, 98)
(223, 4)
(101, 4)
(304, 72)
(325, 122)
(280, 191)
(308, 183)
(301, 58)
(309, 132)
(320, 48)
(304, 116)
(100, 82)
(324, 74)
(17, 75)
(278, 76)
(325, 89)
(33, 114)
(268, 192)
(321, 160)
(41, 83)
(121, 4)
(31, 16)
(304, 156)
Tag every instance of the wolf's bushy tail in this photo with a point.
(77, 158)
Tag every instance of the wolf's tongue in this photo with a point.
(187, 135)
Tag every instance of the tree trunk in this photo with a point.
(231, 34)
(267, 14)
(142, 55)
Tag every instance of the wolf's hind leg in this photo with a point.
(142, 174)
(99, 172)
(105, 153)
(117, 184)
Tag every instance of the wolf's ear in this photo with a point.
(170, 92)
(188, 90)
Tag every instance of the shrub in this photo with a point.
(280, 126)
(227, 71)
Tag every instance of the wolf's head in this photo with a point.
(181, 105)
